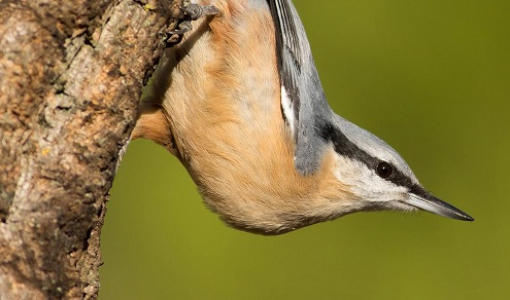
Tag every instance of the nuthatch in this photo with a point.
(240, 103)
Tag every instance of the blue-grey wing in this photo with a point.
(303, 102)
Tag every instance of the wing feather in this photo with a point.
(303, 102)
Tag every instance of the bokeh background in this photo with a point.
(432, 78)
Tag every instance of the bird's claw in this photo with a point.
(191, 12)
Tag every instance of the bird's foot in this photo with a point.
(185, 12)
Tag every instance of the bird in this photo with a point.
(239, 102)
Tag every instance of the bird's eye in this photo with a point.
(384, 170)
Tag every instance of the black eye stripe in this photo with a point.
(343, 146)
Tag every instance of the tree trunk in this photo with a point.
(71, 74)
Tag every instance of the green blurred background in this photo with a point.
(431, 78)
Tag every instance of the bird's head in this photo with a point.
(377, 176)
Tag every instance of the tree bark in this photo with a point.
(71, 75)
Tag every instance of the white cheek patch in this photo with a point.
(288, 110)
(352, 173)
(364, 183)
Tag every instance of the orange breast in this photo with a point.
(220, 92)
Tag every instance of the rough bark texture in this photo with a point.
(71, 74)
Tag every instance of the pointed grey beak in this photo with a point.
(433, 205)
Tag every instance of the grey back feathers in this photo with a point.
(307, 113)
(305, 107)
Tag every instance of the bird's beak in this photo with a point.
(433, 205)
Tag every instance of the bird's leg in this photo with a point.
(187, 12)
(152, 121)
